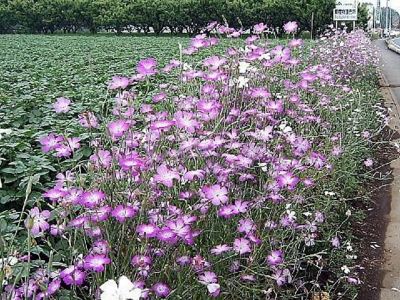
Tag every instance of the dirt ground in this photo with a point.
(371, 232)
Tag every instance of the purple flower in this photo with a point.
(121, 212)
(161, 289)
(368, 162)
(118, 128)
(147, 230)
(287, 179)
(214, 289)
(159, 97)
(100, 247)
(336, 242)
(102, 158)
(208, 277)
(100, 214)
(190, 175)
(290, 27)
(96, 262)
(91, 199)
(72, 276)
(62, 105)
(167, 235)
(88, 120)
(63, 150)
(185, 120)
(275, 258)
(37, 221)
(166, 176)
(147, 67)
(241, 246)
(246, 226)
(50, 142)
(216, 194)
(119, 83)
(54, 194)
(219, 249)
(162, 125)
(141, 260)
(259, 28)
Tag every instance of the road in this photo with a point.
(390, 67)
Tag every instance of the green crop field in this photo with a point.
(35, 70)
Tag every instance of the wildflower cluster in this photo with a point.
(211, 184)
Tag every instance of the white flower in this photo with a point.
(345, 269)
(243, 66)
(9, 261)
(125, 290)
(263, 166)
(213, 287)
(242, 82)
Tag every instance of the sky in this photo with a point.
(395, 4)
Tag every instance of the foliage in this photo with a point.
(226, 172)
(47, 16)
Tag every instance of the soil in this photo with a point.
(371, 231)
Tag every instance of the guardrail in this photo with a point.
(393, 46)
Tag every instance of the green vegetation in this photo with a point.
(176, 16)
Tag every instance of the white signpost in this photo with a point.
(345, 10)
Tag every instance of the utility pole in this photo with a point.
(387, 17)
(390, 19)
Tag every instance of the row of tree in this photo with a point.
(176, 16)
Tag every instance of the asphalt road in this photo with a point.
(390, 67)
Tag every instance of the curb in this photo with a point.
(393, 46)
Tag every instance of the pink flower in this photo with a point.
(37, 221)
(54, 194)
(185, 120)
(147, 230)
(162, 125)
(275, 258)
(290, 27)
(259, 28)
(119, 83)
(88, 120)
(96, 262)
(91, 199)
(214, 289)
(216, 194)
(63, 150)
(287, 179)
(368, 162)
(62, 105)
(102, 158)
(159, 97)
(72, 276)
(246, 226)
(166, 176)
(208, 277)
(118, 128)
(161, 289)
(219, 249)
(50, 142)
(147, 67)
(121, 212)
(242, 246)
(141, 260)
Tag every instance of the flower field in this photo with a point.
(211, 167)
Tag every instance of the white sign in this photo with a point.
(345, 14)
(346, 4)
